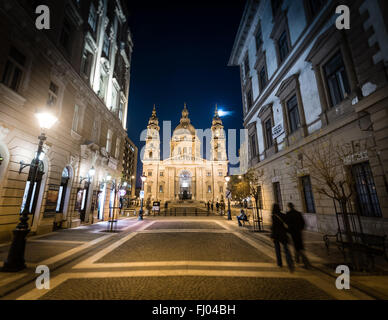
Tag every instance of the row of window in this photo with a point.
(282, 45)
(338, 85)
(161, 189)
(366, 199)
(208, 174)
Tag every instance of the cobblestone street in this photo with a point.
(169, 258)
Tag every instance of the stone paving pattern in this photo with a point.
(186, 288)
(184, 225)
(185, 246)
(39, 251)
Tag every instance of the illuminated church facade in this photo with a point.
(185, 174)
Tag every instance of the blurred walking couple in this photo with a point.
(293, 223)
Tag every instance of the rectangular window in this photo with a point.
(161, 173)
(268, 133)
(278, 194)
(66, 35)
(52, 95)
(337, 79)
(367, 199)
(121, 110)
(160, 189)
(220, 173)
(246, 67)
(283, 46)
(249, 100)
(293, 114)
(92, 20)
(106, 46)
(209, 189)
(149, 189)
(263, 78)
(109, 138)
(259, 37)
(114, 105)
(209, 174)
(221, 189)
(14, 68)
(86, 64)
(308, 195)
(117, 151)
(252, 140)
(150, 173)
(76, 113)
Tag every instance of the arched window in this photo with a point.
(150, 155)
(62, 190)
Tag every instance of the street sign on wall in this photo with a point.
(277, 131)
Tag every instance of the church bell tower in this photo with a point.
(218, 141)
(152, 148)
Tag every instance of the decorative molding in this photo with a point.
(3, 132)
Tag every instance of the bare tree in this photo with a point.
(327, 164)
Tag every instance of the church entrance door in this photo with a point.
(185, 186)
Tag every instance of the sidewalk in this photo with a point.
(375, 283)
(55, 249)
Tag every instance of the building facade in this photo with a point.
(185, 174)
(304, 81)
(130, 166)
(79, 69)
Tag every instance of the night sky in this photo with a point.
(181, 52)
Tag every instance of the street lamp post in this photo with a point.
(15, 260)
(227, 179)
(143, 179)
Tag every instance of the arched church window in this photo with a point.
(150, 154)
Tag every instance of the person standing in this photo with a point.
(212, 206)
(217, 206)
(296, 224)
(279, 237)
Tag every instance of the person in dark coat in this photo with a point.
(296, 225)
(212, 206)
(279, 237)
(217, 206)
(208, 206)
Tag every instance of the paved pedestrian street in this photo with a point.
(168, 258)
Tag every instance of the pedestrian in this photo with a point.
(296, 224)
(279, 237)
(208, 205)
(241, 217)
(212, 206)
(217, 206)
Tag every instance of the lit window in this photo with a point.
(117, 152)
(75, 118)
(109, 140)
(160, 189)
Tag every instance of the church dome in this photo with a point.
(184, 127)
